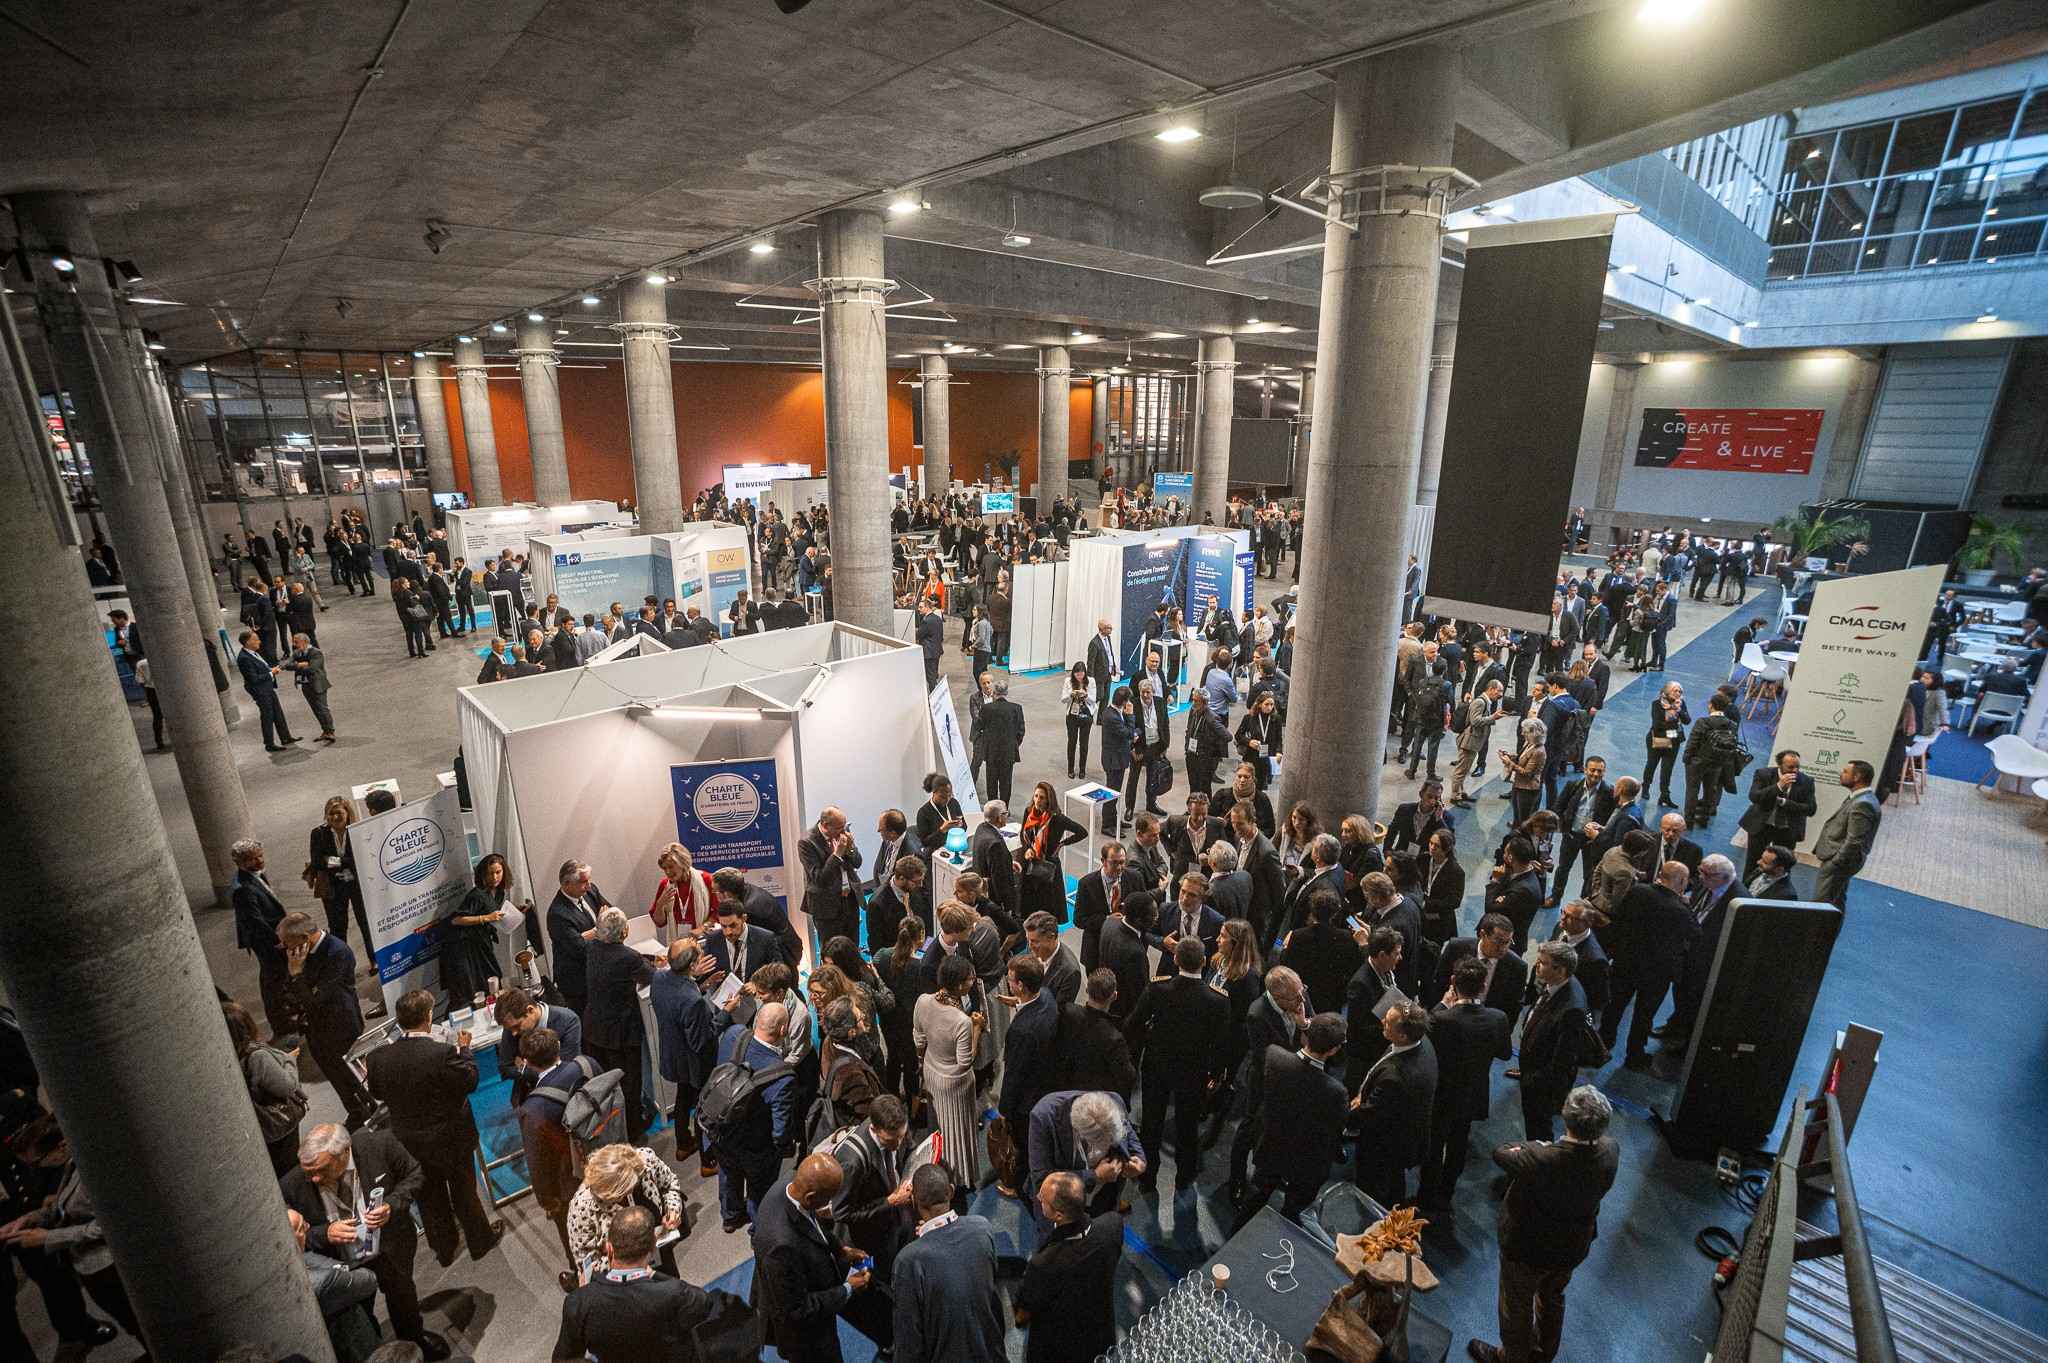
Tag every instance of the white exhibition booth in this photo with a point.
(791, 495)
(705, 564)
(1038, 615)
(732, 750)
(1121, 575)
(479, 532)
(749, 482)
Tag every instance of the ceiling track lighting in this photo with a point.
(591, 300)
(535, 317)
(762, 247)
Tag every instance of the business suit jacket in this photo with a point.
(1093, 1052)
(1850, 832)
(686, 1026)
(1468, 1037)
(1261, 861)
(1063, 977)
(1092, 905)
(759, 948)
(568, 1030)
(831, 881)
(1653, 929)
(1551, 1040)
(947, 1309)
(325, 990)
(381, 1162)
(1594, 973)
(990, 857)
(257, 914)
(765, 911)
(1411, 828)
(1101, 665)
(1685, 851)
(1312, 1106)
(1789, 811)
(256, 677)
(1294, 900)
(1124, 954)
(1404, 916)
(1366, 999)
(1779, 887)
(1180, 1029)
(799, 1282)
(1184, 847)
(611, 1015)
(1069, 1288)
(626, 1322)
(1000, 731)
(887, 908)
(1326, 959)
(1550, 1216)
(309, 671)
(1510, 974)
(1049, 1143)
(1395, 1104)
(567, 945)
(1208, 927)
(426, 1085)
(1443, 894)
(1030, 1057)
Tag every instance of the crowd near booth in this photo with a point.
(611, 762)
(1122, 576)
(705, 565)
(480, 532)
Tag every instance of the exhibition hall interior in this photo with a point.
(1105, 680)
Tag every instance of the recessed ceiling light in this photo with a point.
(1251, 321)
(419, 354)
(1178, 132)
(61, 264)
(500, 328)
(657, 279)
(1787, 222)
(591, 300)
(1750, 323)
(762, 248)
(159, 345)
(903, 205)
(465, 338)
(1167, 336)
(1668, 11)
(1991, 260)
(535, 317)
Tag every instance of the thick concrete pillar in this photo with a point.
(651, 405)
(938, 424)
(1436, 405)
(429, 400)
(473, 389)
(1055, 368)
(78, 316)
(1218, 368)
(852, 290)
(1614, 451)
(537, 384)
(1303, 430)
(1098, 430)
(103, 964)
(1378, 305)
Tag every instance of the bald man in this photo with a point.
(805, 1277)
(831, 865)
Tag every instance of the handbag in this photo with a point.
(279, 1117)
(318, 881)
(418, 614)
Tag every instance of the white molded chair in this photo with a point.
(1750, 666)
(1999, 705)
(2014, 757)
(1914, 778)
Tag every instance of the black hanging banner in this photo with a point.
(1526, 328)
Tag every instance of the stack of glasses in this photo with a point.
(1195, 1323)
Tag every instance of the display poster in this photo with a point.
(1729, 439)
(1247, 575)
(749, 482)
(953, 755)
(725, 571)
(1181, 485)
(414, 865)
(729, 813)
(1209, 564)
(1152, 574)
(999, 503)
(589, 577)
(1863, 636)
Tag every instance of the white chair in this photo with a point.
(1998, 705)
(2012, 756)
(1914, 778)
(1751, 666)
(1767, 689)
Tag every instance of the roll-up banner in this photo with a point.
(729, 813)
(414, 866)
(1526, 330)
(1856, 658)
(1181, 485)
(953, 754)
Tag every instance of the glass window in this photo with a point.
(1886, 253)
(2030, 138)
(1920, 142)
(1806, 162)
(1835, 257)
(1945, 248)
(331, 466)
(2022, 189)
(1960, 194)
(1787, 262)
(243, 429)
(1796, 214)
(2008, 240)
(1901, 204)
(1981, 132)
(412, 450)
(1859, 152)
(369, 418)
(1845, 209)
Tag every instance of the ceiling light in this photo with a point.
(1991, 260)
(159, 345)
(1015, 239)
(1815, 152)
(1987, 316)
(466, 338)
(419, 354)
(1178, 132)
(1628, 269)
(561, 331)
(1251, 321)
(762, 248)
(591, 300)
(657, 279)
(499, 328)
(1855, 227)
(1991, 236)
(1787, 222)
(1167, 336)
(1871, 252)
(62, 264)
(535, 317)
(1932, 259)
(1991, 212)
(1668, 11)
(1016, 345)
(903, 205)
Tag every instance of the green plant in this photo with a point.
(1812, 536)
(1989, 539)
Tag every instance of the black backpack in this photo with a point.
(730, 1095)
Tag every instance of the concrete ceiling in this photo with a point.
(261, 162)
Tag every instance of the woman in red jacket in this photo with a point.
(684, 901)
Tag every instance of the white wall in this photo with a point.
(1592, 435)
(865, 742)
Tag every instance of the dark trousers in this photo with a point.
(626, 1060)
(444, 625)
(1571, 848)
(393, 1267)
(1702, 791)
(449, 1203)
(1646, 989)
(743, 1180)
(931, 671)
(1184, 1094)
(63, 1300)
(1431, 742)
(271, 715)
(465, 616)
(1657, 642)
(1444, 1159)
(156, 715)
(1301, 1195)
(1379, 1176)
(338, 909)
(999, 770)
(1201, 773)
(982, 659)
(1078, 730)
(331, 1055)
(316, 701)
(107, 1292)
(1661, 764)
(1540, 1106)
(1531, 1311)
(415, 640)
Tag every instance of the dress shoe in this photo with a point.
(272, 747)
(100, 1333)
(445, 1257)
(1482, 1353)
(497, 1234)
(291, 738)
(433, 1346)
(730, 1226)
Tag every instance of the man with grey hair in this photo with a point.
(1277, 1017)
(1230, 889)
(612, 1027)
(258, 911)
(1548, 1222)
(1652, 931)
(320, 983)
(989, 857)
(571, 923)
(831, 867)
(750, 1154)
(999, 730)
(1321, 873)
(1715, 889)
(1084, 1132)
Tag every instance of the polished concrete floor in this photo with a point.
(1940, 1155)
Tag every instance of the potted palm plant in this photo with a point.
(1989, 539)
(1811, 536)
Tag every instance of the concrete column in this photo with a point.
(1218, 368)
(1436, 405)
(852, 290)
(1846, 451)
(112, 413)
(473, 388)
(938, 425)
(186, 520)
(107, 974)
(543, 394)
(1614, 449)
(1303, 429)
(431, 403)
(1378, 303)
(1055, 368)
(1098, 434)
(651, 405)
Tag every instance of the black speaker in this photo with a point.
(1767, 971)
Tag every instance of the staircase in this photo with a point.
(1929, 1325)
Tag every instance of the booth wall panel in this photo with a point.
(865, 743)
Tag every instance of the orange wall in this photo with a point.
(741, 413)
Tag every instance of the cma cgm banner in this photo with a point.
(730, 814)
(1730, 440)
(1863, 636)
(414, 864)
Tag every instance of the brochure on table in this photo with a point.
(705, 565)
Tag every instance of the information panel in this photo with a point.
(729, 813)
(1730, 440)
(1181, 485)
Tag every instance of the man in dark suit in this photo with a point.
(1493, 945)
(320, 980)
(738, 947)
(1179, 1028)
(1394, 1105)
(763, 910)
(990, 857)
(686, 1028)
(1257, 857)
(1297, 1151)
(999, 732)
(1030, 1046)
(1101, 893)
(1575, 930)
(1604, 834)
(1188, 836)
(1673, 845)
(309, 671)
(1190, 918)
(1415, 820)
(1517, 893)
(631, 1312)
(1276, 1017)
(1205, 742)
(831, 863)
(1781, 800)
(1321, 874)
(259, 679)
(1093, 1051)
(871, 1208)
(1664, 619)
(258, 911)
(572, 922)
(1101, 663)
(1652, 931)
(1063, 974)
(803, 1276)
(333, 1190)
(1772, 876)
(1552, 1039)
(1372, 990)
(519, 1013)
(901, 895)
(1585, 799)
(426, 1085)
(1712, 891)
(1126, 951)
(931, 640)
(1386, 907)
(1547, 1224)
(1468, 1037)
(1068, 1297)
(613, 1032)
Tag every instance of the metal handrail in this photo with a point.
(1866, 1303)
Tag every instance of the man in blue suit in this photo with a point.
(258, 911)
(687, 1029)
(1663, 619)
(750, 1155)
(320, 978)
(259, 679)
(738, 947)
